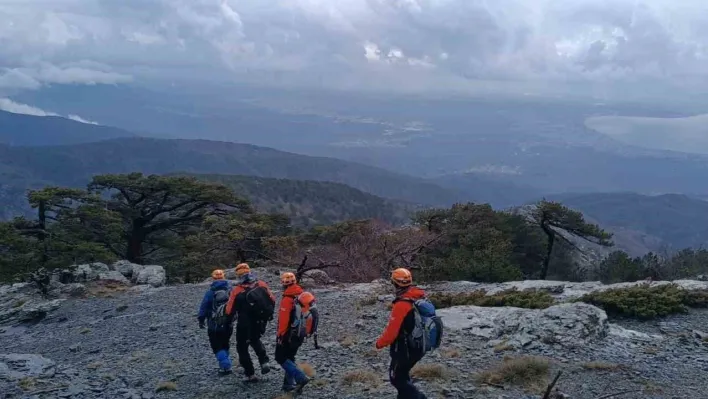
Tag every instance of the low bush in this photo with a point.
(647, 302)
(530, 372)
(529, 299)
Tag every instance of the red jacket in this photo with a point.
(398, 314)
(286, 307)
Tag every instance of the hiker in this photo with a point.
(253, 305)
(219, 324)
(412, 330)
(297, 320)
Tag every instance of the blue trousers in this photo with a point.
(285, 357)
(220, 342)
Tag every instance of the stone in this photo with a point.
(152, 275)
(125, 268)
(114, 275)
(16, 366)
(89, 271)
(564, 324)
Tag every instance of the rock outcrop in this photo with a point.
(565, 324)
(561, 290)
(152, 275)
(22, 303)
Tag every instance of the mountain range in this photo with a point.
(313, 189)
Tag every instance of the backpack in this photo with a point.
(304, 318)
(260, 305)
(218, 317)
(427, 332)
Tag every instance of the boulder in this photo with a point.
(89, 271)
(565, 324)
(73, 290)
(113, 275)
(20, 366)
(125, 268)
(319, 277)
(152, 275)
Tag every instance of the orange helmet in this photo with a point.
(218, 274)
(306, 298)
(242, 269)
(288, 279)
(402, 277)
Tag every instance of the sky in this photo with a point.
(394, 45)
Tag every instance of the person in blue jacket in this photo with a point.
(219, 325)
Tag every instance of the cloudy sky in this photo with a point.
(423, 43)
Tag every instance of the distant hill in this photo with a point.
(480, 189)
(309, 203)
(645, 223)
(29, 130)
(73, 165)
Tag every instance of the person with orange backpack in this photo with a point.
(253, 305)
(413, 329)
(298, 319)
(219, 325)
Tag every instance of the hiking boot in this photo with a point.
(301, 384)
(251, 379)
(265, 368)
(288, 388)
(225, 371)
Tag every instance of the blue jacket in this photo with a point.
(205, 307)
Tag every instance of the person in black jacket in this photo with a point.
(253, 304)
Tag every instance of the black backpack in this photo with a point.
(218, 317)
(261, 306)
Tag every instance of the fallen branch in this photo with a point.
(551, 385)
(612, 395)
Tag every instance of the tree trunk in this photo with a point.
(42, 219)
(549, 250)
(135, 249)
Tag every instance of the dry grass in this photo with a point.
(106, 289)
(602, 366)
(451, 353)
(651, 350)
(95, 365)
(166, 386)
(348, 341)
(318, 383)
(529, 372)
(19, 303)
(27, 383)
(367, 302)
(307, 369)
(85, 331)
(431, 371)
(503, 347)
(366, 377)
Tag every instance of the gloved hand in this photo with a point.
(201, 324)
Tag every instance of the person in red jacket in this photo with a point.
(287, 344)
(400, 323)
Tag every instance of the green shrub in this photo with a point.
(646, 302)
(529, 299)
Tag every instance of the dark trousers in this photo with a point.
(250, 335)
(399, 373)
(220, 340)
(285, 356)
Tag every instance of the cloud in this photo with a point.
(17, 108)
(351, 41)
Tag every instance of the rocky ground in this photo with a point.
(145, 343)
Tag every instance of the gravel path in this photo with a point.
(128, 345)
